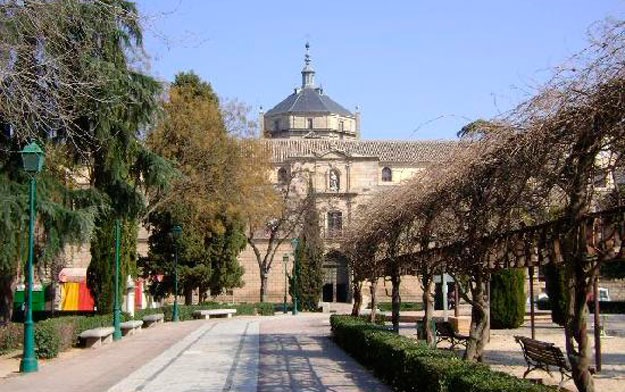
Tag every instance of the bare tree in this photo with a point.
(275, 218)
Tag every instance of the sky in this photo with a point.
(416, 70)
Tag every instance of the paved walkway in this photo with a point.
(280, 353)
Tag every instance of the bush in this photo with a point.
(408, 365)
(507, 298)
(60, 334)
(47, 338)
(11, 337)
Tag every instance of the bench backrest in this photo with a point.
(543, 352)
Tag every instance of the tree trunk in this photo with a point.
(479, 331)
(7, 288)
(577, 339)
(264, 286)
(373, 285)
(579, 268)
(188, 296)
(395, 297)
(428, 306)
(357, 289)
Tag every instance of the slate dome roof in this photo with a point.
(308, 100)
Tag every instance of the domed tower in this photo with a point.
(309, 113)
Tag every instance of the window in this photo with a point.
(276, 124)
(387, 174)
(310, 123)
(341, 125)
(334, 183)
(335, 223)
(283, 177)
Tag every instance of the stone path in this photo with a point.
(280, 353)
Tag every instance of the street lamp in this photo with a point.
(32, 157)
(176, 231)
(117, 313)
(285, 261)
(294, 245)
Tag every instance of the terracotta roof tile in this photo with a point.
(391, 151)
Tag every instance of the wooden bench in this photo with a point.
(97, 336)
(542, 355)
(152, 319)
(445, 332)
(131, 327)
(207, 313)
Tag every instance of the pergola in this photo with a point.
(519, 194)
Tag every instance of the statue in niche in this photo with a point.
(334, 181)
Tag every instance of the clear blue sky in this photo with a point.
(417, 69)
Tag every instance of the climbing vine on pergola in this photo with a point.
(523, 189)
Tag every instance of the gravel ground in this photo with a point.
(504, 354)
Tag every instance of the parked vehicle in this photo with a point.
(542, 300)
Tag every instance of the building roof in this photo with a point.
(308, 100)
(389, 151)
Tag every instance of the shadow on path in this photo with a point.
(301, 356)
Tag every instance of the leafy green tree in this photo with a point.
(507, 298)
(206, 197)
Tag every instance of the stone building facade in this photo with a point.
(312, 132)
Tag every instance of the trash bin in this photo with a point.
(39, 300)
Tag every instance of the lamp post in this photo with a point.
(176, 231)
(117, 331)
(285, 261)
(294, 245)
(32, 157)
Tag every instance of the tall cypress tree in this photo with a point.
(309, 256)
(507, 298)
(555, 286)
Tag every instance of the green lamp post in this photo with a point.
(285, 261)
(117, 331)
(294, 245)
(32, 157)
(176, 231)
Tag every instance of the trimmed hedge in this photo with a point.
(405, 306)
(11, 337)
(185, 312)
(408, 365)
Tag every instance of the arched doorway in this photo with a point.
(335, 278)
